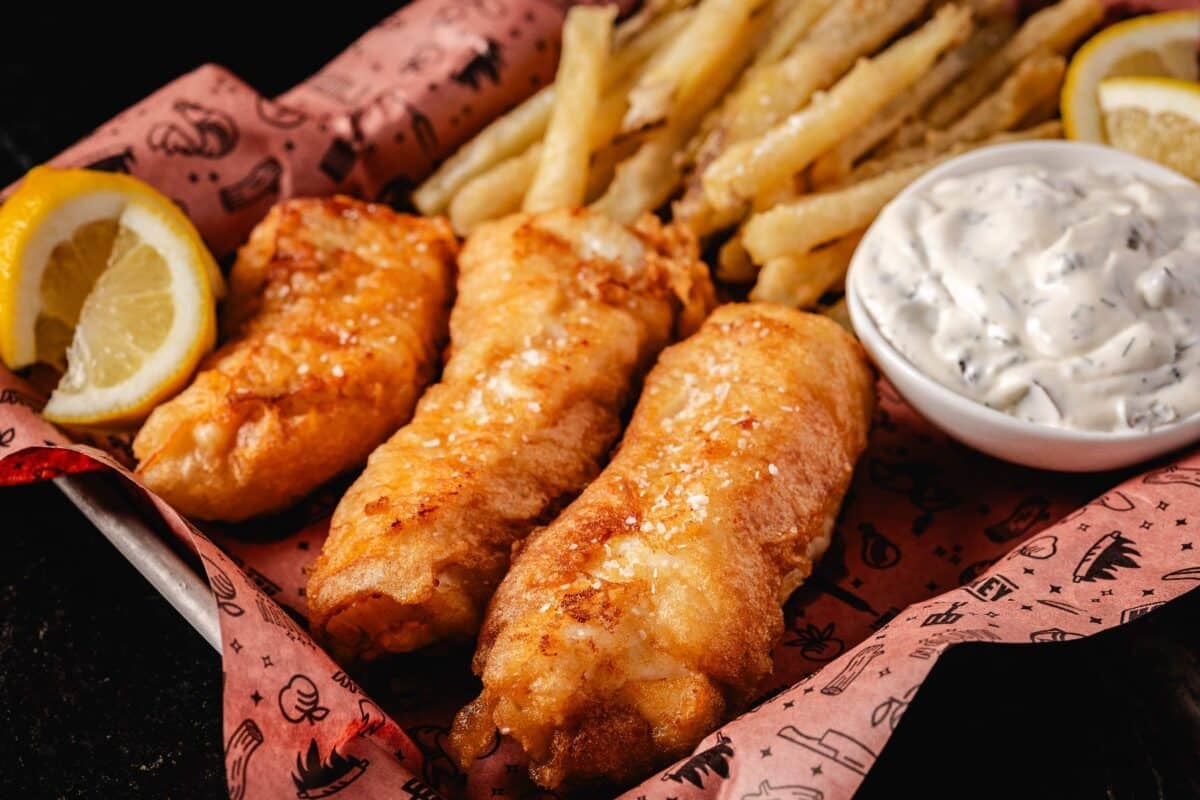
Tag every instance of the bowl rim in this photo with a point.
(889, 359)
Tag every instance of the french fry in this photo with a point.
(848, 30)
(1036, 78)
(561, 177)
(674, 76)
(901, 159)
(649, 177)
(800, 280)
(814, 219)
(1053, 29)
(752, 167)
(839, 313)
(790, 28)
(799, 226)
(501, 190)
(496, 193)
(513, 133)
(734, 264)
(648, 13)
(837, 163)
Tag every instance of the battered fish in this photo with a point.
(558, 315)
(645, 615)
(337, 309)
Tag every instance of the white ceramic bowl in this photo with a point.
(976, 425)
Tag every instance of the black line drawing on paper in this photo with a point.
(916, 481)
(345, 681)
(1042, 547)
(1185, 574)
(278, 115)
(933, 644)
(439, 769)
(838, 747)
(7, 437)
(827, 580)
(1053, 635)
(1175, 474)
(1061, 606)
(714, 759)
(317, 777)
(245, 739)
(1024, 518)
(417, 789)
(973, 571)
(338, 160)
(373, 718)
(854, 667)
(223, 589)
(199, 131)
(1111, 552)
(261, 181)
(1116, 501)
(947, 616)
(991, 588)
(768, 792)
(422, 129)
(892, 709)
(816, 644)
(1130, 614)
(878, 551)
(299, 700)
(120, 161)
(486, 63)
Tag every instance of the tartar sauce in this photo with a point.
(1066, 298)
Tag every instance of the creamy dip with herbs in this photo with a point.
(1066, 298)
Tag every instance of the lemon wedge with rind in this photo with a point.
(102, 273)
(1152, 45)
(1156, 118)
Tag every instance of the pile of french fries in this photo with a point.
(777, 128)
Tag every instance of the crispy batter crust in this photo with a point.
(336, 312)
(645, 614)
(557, 317)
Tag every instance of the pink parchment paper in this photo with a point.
(937, 544)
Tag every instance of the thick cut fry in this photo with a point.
(496, 193)
(1035, 79)
(1053, 29)
(648, 178)
(644, 616)
(671, 79)
(517, 130)
(848, 30)
(561, 177)
(754, 166)
(799, 281)
(337, 309)
(815, 219)
(837, 163)
(557, 317)
(908, 157)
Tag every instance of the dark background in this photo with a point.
(106, 692)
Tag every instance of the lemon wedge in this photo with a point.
(103, 276)
(1151, 45)
(1156, 118)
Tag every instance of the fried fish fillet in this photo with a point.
(645, 614)
(337, 309)
(558, 315)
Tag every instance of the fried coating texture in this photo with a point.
(645, 614)
(336, 313)
(557, 318)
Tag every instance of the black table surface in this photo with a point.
(106, 692)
